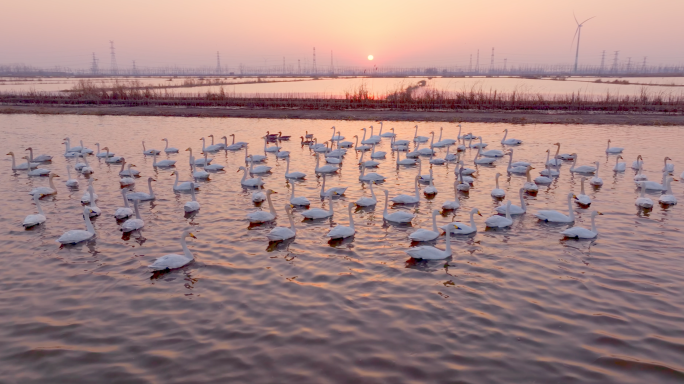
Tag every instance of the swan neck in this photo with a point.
(52, 184)
(149, 185)
(434, 222)
(351, 218)
(571, 211)
(192, 191)
(472, 219)
(330, 199)
(505, 135)
(36, 198)
(137, 212)
(186, 251)
(270, 204)
(583, 187)
(287, 167)
(593, 223)
(123, 194)
(448, 242)
(292, 224)
(523, 205)
(175, 183)
(89, 224)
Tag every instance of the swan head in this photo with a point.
(242, 169)
(223, 137)
(475, 210)
(270, 191)
(105, 149)
(149, 179)
(173, 173)
(12, 153)
(189, 234)
(596, 213)
(212, 135)
(53, 175)
(497, 175)
(667, 158)
(386, 192)
(29, 149)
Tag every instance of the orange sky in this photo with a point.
(404, 33)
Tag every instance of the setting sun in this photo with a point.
(370, 57)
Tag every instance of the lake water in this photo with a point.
(514, 305)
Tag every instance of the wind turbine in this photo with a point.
(578, 33)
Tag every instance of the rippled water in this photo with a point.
(515, 305)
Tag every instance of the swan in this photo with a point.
(514, 209)
(94, 209)
(39, 158)
(259, 169)
(173, 261)
(419, 139)
(668, 198)
(517, 167)
(387, 134)
(37, 171)
(184, 185)
(197, 174)
(582, 199)
(450, 205)
(102, 154)
(129, 172)
(458, 228)
(263, 216)
(85, 150)
(325, 168)
(498, 221)
(135, 224)
(371, 176)
(242, 143)
(556, 161)
(564, 156)
(428, 151)
(445, 142)
(199, 162)
(149, 151)
(71, 183)
(125, 211)
(283, 154)
(283, 138)
(450, 156)
(437, 160)
(505, 141)
(640, 176)
(399, 216)
(544, 180)
(362, 147)
(426, 234)
(529, 186)
(408, 199)
(596, 181)
(430, 190)
(46, 191)
(642, 201)
(462, 186)
(252, 182)
(258, 197)
(497, 192)
(75, 236)
(406, 161)
(233, 146)
(253, 158)
(162, 163)
(654, 186)
(378, 154)
(86, 170)
(477, 145)
(22, 166)
(548, 172)
(491, 152)
(557, 217)
(583, 233)
(85, 198)
(368, 163)
(142, 195)
(271, 149)
(619, 166)
(70, 148)
(35, 219)
(337, 191)
(111, 158)
(636, 164)
(368, 201)
(341, 231)
(283, 233)
(428, 252)
(345, 144)
(211, 148)
(68, 153)
(293, 175)
(317, 213)
(192, 205)
(483, 160)
(668, 167)
(308, 135)
(581, 168)
(460, 147)
(372, 139)
(399, 143)
(338, 138)
(613, 150)
(212, 167)
(321, 148)
(300, 201)
(168, 149)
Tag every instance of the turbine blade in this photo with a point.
(573, 37)
(587, 20)
(573, 15)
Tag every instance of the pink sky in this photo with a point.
(403, 33)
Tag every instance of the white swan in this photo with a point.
(483, 160)
(505, 141)
(318, 213)
(399, 216)
(142, 195)
(46, 191)
(556, 161)
(22, 166)
(430, 190)
(462, 185)
(37, 171)
(253, 158)
(233, 146)
(168, 149)
(263, 216)
(515, 167)
(70, 148)
(94, 209)
(378, 154)
(300, 201)
(583, 233)
(192, 205)
(71, 183)
(365, 201)
(655, 186)
(640, 176)
(582, 199)
(544, 180)
(406, 161)
(184, 185)
(199, 162)
(497, 192)
(162, 163)
(372, 176)
(212, 167)
(341, 231)
(514, 209)
(241, 143)
(491, 152)
(613, 150)
(387, 134)
(274, 148)
(581, 168)
(39, 158)
(557, 217)
(77, 235)
(173, 261)
(283, 233)
(477, 145)
(548, 172)
(337, 191)
(102, 154)
(325, 168)
(668, 167)
(530, 186)
(252, 182)
(362, 147)
(638, 163)
(596, 181)
(35, 219)
(642, 201)
(419, 139)
(150, 152)
(85, 150)
(452, 204)
(428, 151)
(68, 153)
(135, 224)
(125, 211)
(668, 198)
(258, 197)
(408, 199)
(283, 154)
(211, 148)
(426, 234)
(293, 175)
(498, 221)
(458, 228)
(128, 172)
(87, 169)
(368, 163)
(259, 169)
(370, 140)
(620, 166)
(428, 252)
(564, 156)
(339, 137)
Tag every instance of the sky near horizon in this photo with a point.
(397, 33)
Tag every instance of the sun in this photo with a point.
(370, 57)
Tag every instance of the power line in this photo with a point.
(112, 66)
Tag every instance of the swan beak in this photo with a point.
(478, 212)
(574, 196)
(53, 175)
(599, 213)
(191, 235)
(154, 179)
(291, 206)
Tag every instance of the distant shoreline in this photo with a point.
(464, 116)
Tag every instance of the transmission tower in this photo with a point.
(505, 62)
(218, 62)
(299, 67)
(603, 61)
(113, 69)
(477, 62)
(93, 67)
(629, 64)
(135, 70)
(470, 66)
(332, 67)
(283, 65)
(314, 60)
(614, 69)
(491, 63)
(643, 66)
